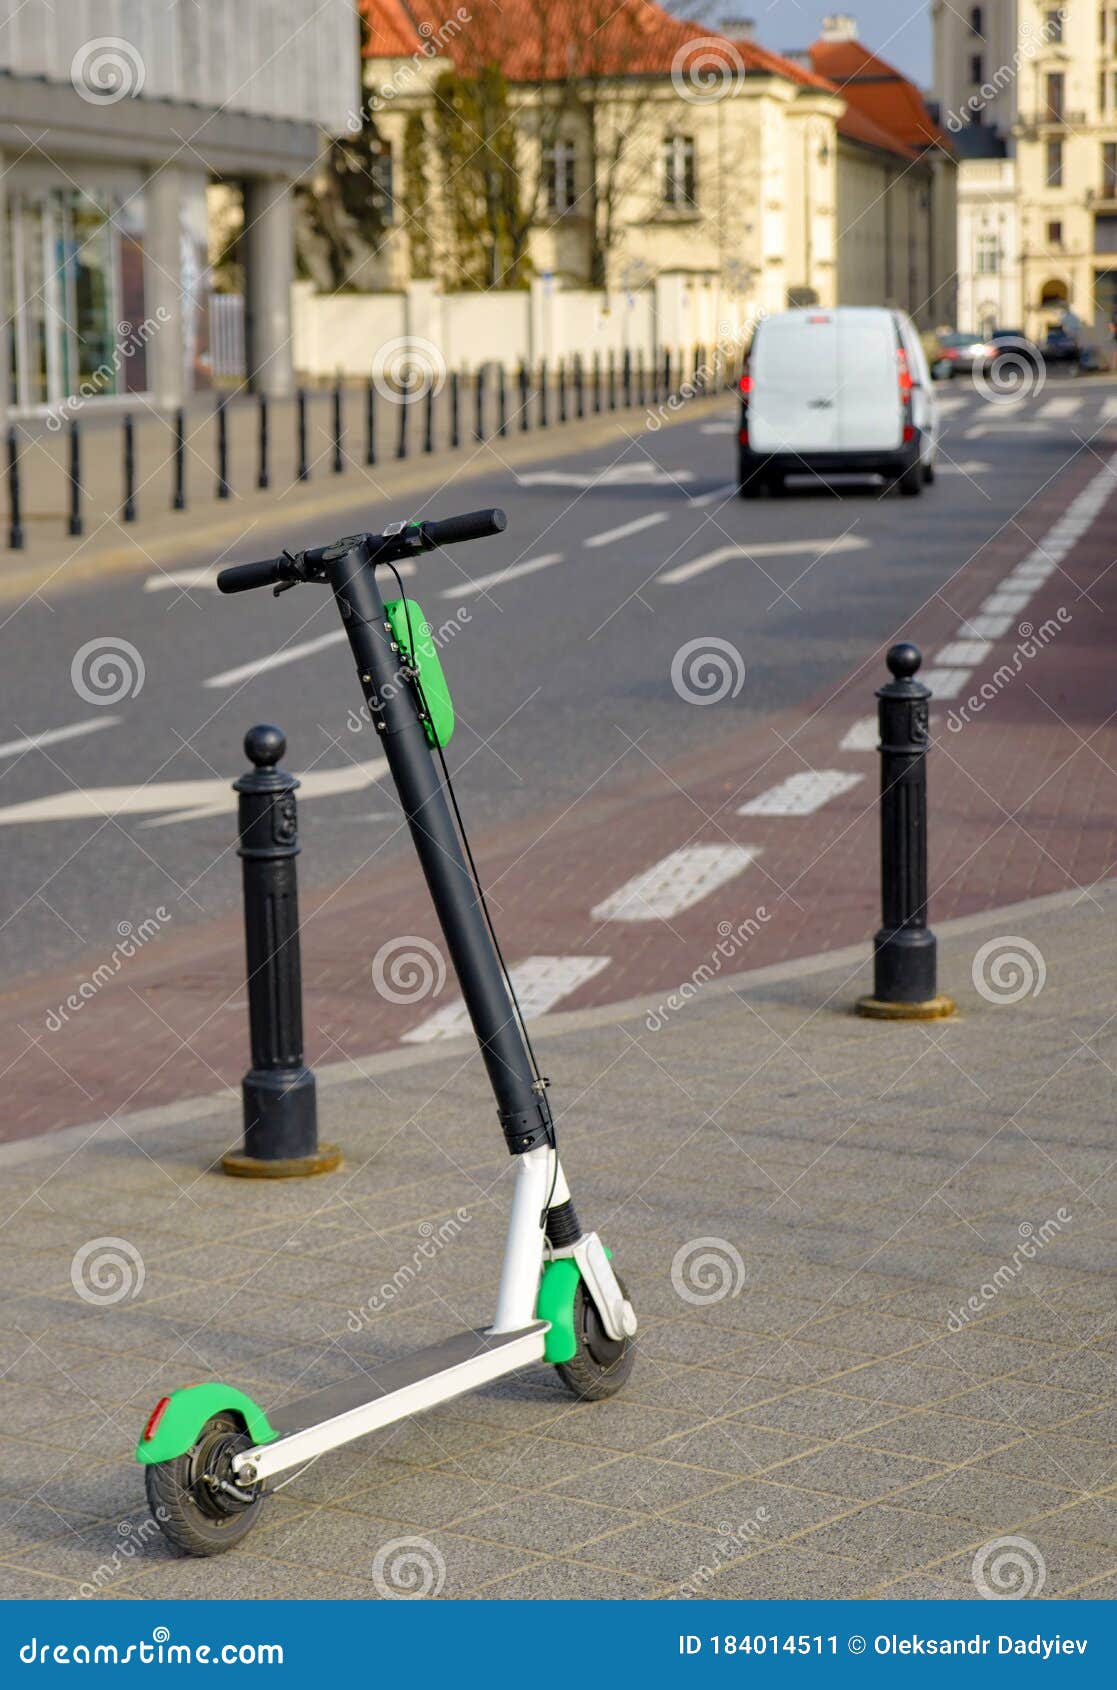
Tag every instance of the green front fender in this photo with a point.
(188, 1410)
(557, 1290)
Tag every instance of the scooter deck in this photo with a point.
(390, 1391)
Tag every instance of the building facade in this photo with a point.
(116, 119)
(1029, 95)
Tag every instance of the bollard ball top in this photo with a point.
(903, 660)
(265, 745)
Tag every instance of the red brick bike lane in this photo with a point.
(1023, 801)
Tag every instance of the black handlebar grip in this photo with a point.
(242, 577)
(472, 525)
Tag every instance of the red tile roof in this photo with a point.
(879, 94)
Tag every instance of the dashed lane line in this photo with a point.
(636, 526)
(676, 883)
(801, 794)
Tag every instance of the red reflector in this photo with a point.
(909, 432)
(743, 437)
(746, 385)
(154, 1418)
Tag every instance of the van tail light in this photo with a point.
(743, 437)
(746, 385)
(904, 375)
(909, 432)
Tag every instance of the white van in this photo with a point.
(845, 390)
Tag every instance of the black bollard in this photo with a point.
(562, 390)
(302, 468)
(128, 513)
(280, 1112)
(178, 497)
(543, 393)
(428, 420)
(501, 403)
(640, 389)
(455, 417)
(262, 441)
(339, 462)
(479, 404)
(597, 381)
(611, 380)
(15, 515)
(904, 950)
(75, 525)
(370, 424)
(401, 437)
(579, 387)
(626, 377)
(666, 377)
(223, 488)
(525, 418)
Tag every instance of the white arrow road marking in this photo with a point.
(619, 475)
(189, 800)
(481, 582)
(717, 493)
(636, 526)
(54, 736)
(276, 659)
(676, 883)
(862, 735)
(772, 548)
(540, 982)
(801, 794)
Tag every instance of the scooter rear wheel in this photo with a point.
(601, 1365)
(186, 1497)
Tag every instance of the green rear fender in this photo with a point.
(557, 1290)
(186, 1413)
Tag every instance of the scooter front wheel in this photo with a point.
(195, 1502)
(600, 1365)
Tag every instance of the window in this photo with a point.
(1055, 234)
(1053, 93)
(976, 21)
(1053, 26)
(679, 185)
(1105, 234)
(1109, 169)
(558, 176)
(1054, 164)
(988, 255)
(977, 68)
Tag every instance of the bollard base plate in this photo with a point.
(931, 1009)
(324, 1160)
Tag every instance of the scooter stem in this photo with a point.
(522, 1107)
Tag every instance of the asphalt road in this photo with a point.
(557, 671)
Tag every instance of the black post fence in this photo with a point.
(626, 378)
(562, 390)
(525, 416)
(479, 404)
(15, 511)
(428, 420)
(455, 412)
(401, 436)
(370, 423)
(262, 441)
(501, 403)
(278, 1092)
(579, 387)
(75, 525)
(178, 496)
(597, 382)
(128, 513)
(302, 467)
(339, 459)
(543, 393)
(223, 488)
(611, 379)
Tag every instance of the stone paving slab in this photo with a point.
(902, 1348)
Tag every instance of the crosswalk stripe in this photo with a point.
(539, 981)
(801, 794)
(676, 883)
(1053, 408)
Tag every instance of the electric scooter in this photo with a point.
(209, 1451)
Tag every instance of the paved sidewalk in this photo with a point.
(873, 1265)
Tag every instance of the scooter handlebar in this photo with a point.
(472, 525)
(243, 577)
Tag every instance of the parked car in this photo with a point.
(846, 390)
(1013, 345)
(959, 353)
(1061, 347)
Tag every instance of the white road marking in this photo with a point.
(770, 548)
(801, 794)
(969, 466)
(963, 653)
(276, 659)
(1000, 603)
(947, 407)
(676, 883)
(718, 428)
(863, 735)
(540, 982)
(55, 736)
(1109, 408)
(636, 526)
(481, 583)
(717, 493)
(985, 627)
(187, 800)
(1053, 408)
(617, 475)
(945, 683)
